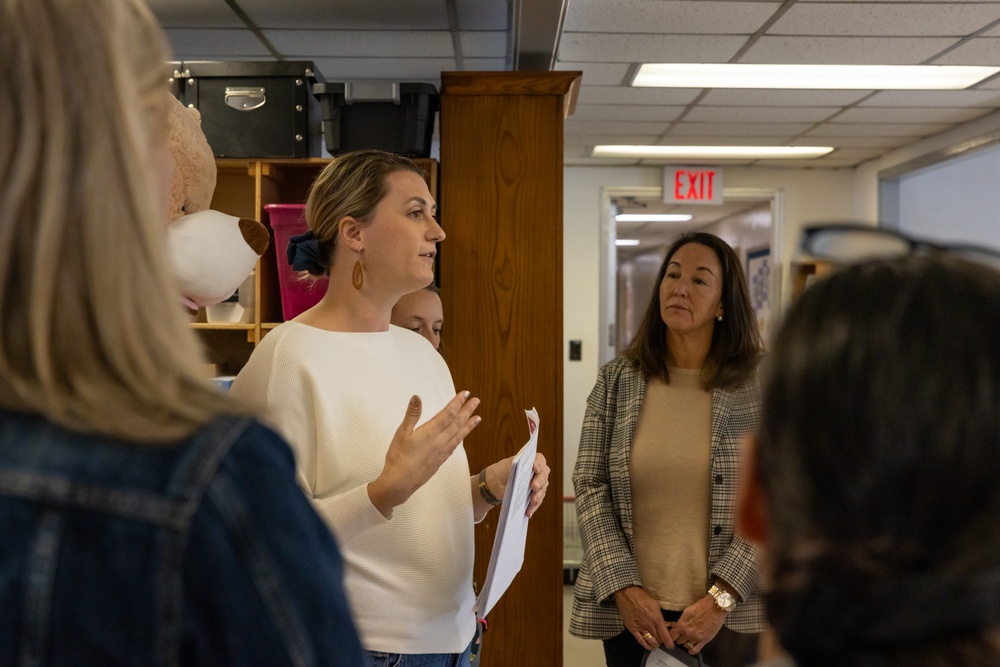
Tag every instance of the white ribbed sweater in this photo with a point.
(338, 399)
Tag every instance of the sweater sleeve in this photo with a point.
(282, 381)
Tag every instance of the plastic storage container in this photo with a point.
(394, 117)
(254, 109)
(299, 290)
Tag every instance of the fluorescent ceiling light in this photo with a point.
(653, 217)
(718, 152)
(842, 77)
(626, 241)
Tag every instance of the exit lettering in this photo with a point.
(692, 185)
(696, 185)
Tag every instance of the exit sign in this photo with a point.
(692, 185)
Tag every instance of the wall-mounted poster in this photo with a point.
(759, 283)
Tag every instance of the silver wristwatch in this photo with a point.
(724, 600)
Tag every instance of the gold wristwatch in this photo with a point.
(724, 600)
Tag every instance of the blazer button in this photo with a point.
(718, 479)
(718, 530)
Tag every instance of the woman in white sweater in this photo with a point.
(399, 497)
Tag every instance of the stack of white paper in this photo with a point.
(512, 527)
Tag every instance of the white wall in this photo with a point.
(804, 195)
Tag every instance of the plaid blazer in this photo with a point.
(604, 501)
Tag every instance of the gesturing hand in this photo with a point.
(416, 454)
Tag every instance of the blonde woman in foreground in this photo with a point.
(145, 519)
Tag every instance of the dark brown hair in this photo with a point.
(736, 343)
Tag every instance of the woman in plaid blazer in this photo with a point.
(657, 470)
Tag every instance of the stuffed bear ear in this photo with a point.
(194, 163)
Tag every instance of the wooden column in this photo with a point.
(501, 283)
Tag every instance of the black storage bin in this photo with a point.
(394, 117)
(256, 109)
(176, 80)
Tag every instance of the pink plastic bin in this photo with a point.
(299, 291)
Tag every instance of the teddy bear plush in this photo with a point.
(212, 253)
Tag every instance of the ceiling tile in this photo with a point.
(571, 138)
(657, 16)
(194, 14)
(880, 141)
(627, 95)
(979, 51)
(845, 50)
(483, 15)
(349, 14)
(410, 70)
(922, 115)
(483, 44)
(853, 154)
(818, 164)
(608, 47)
(771, 98)
(597, 74)
(576, 151)
(933, 98)
(484, 64)
(207, 44)
(885, 19)
(993, 83)
(362, 43)
(600, 162)
(627, 112)
(914, 131)
(709, 114)
(685, 129)
(614, 128)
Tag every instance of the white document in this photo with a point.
(660, 658)
(512, 527)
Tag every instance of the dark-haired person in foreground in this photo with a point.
(873, 481)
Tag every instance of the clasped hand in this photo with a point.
(698, 624)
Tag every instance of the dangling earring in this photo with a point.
(358, 275)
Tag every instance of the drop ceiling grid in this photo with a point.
(410, 40)
(856, 32)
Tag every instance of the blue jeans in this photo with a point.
(380, 659)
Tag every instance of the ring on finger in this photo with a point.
(648, 636)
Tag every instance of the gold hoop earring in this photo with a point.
(358, 275)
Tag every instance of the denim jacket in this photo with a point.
(202, 553)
